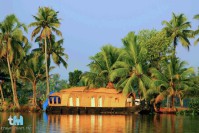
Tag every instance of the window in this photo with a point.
(50, 99)
(100, 102)
(92, 102)
(55, 100)
(59, 100)
(70, 101)
(117, 99)
(77, 101)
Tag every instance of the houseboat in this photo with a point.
(80, 100)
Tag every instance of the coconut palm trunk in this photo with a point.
(172, 101)
(167, 101)
(2, 97)
(47, 71)
(15, 99)
(34, 84)
(181, 102)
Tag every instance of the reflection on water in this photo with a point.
(41, 123)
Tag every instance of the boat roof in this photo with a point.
(84, 89)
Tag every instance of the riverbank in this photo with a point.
(165, 110)
(23, 108)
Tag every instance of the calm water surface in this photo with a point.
(41, 123)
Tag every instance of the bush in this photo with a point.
(194, 104)
(1, 108)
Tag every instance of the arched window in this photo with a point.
(50, 99)
(77, 101)
(55, 100)
(70, 101)
(100, 102)
(92, 102)
(59, 100)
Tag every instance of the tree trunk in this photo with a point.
(172, 101)
(47, 74)
(174, 52)
(168, 102)
(181, 102)
(16, 101)
(174, 44)
(2, 97)
(34, 85)
(11, 79)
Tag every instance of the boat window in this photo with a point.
(77, 101)
(55, 100)
(116, 99)
(92, 102)
(70, 101)
(59, 100)
(50, 98)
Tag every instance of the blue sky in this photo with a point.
(88, 25)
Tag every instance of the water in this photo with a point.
(41, 123)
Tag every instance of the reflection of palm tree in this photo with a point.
(46, 22)
(34, 122)
(131, 70)
(11, 46)
(177, 29)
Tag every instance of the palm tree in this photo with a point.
(55, 51)
(46, 23)
(11, 45)
(177, 29)
(172, 80)
(196, 32)
(132, 71)
(1, 90)
(3, 76)
(102, 65)
(33, 71)
(93, 80)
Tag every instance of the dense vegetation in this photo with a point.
(146, 65)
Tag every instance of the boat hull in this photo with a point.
(91, 110)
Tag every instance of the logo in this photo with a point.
(15, 121)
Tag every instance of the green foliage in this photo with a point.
(132, 71)
(1, 109)
(173, 79)
(101, 66)
(74, 78)
(196, 32)
(178, 30)
(25, 92)
(56, 84)
(194, 105)
(47, 23)
(156, 43)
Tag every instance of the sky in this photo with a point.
(88, 25)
